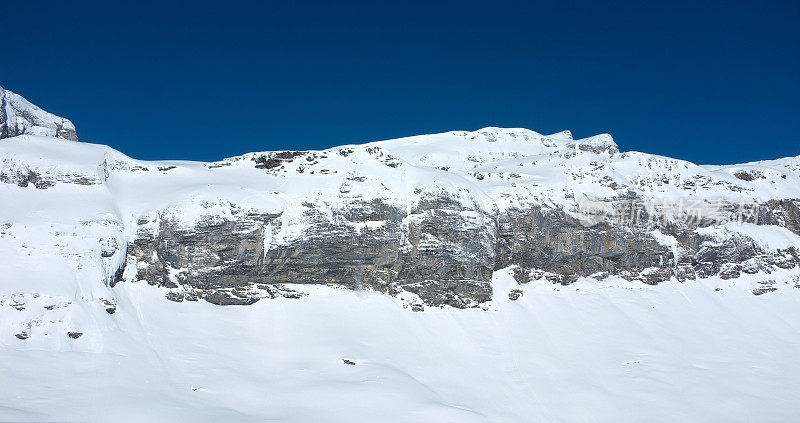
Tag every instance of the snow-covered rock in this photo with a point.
(599, 284)
(432, 215)
(19, 116)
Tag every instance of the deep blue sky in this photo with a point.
(712, 82)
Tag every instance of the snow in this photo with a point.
(667, 241)
(611, 350)
(586, 352)
(770, 237)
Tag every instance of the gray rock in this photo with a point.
(765, 287)
(432, 250)
(110, 305)
(440, 255)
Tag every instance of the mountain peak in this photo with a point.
(19, 116)
(563, 135)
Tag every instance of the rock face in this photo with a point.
(439, 251)
(426, 219)
(552, 243)
(18, 116)
(443, 244)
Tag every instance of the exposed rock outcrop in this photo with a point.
(441, 250)
(426, 219)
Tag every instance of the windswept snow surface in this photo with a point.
(611, 350)
(587, 352)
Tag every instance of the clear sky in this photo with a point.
(711, 82)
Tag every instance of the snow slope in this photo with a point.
(587, 352)
(595, 350)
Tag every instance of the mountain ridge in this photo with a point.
(493, 275)
(392, 196)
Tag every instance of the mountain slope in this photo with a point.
(494, 275)
(427, 219)
(599, 351)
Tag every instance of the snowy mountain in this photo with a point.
(494, 275)
(19, 116)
